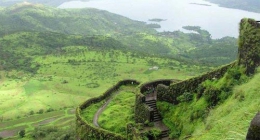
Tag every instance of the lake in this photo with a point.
(217, 20)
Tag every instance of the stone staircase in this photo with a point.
(152, 104)
(165, 135)
(157, 119)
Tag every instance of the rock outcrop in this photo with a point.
(254, 129)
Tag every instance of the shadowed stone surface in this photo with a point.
(254, 129)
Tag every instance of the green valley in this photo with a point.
(55, 63)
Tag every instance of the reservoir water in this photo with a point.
(217, 20)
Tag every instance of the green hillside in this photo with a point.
(228, 119)
(51, 60)
(135, 36)
(36, 17)
(219, 108)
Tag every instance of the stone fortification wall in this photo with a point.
(170, 93)
(86, 130)
(249, 45)
(142, 111)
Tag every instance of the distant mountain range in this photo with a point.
(39, 30)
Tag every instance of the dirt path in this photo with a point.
(101, 109)
(11, 132)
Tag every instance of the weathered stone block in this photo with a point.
(254, 129)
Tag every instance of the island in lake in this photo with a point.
(157, 19)
(153, 25)
(201, 4)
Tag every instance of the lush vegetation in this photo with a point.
(222, 108)
(248, 5)
(51, 60)
(133, 35)
(119, 112)
(88, 21)
(76, 73)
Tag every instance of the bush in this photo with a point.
(21, 133)
(65, 82)
(185, 97)
(31, 112)
(217, 91)
(40, 111)
(49, 110)
(154, 132)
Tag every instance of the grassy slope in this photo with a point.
(119, 112)
(87, 21)
(68, 66)
(22, 93)
(134, 35)
(229, 120)
(47, 90)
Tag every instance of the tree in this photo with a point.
(21, 133)
(40, 111)
(31, 112)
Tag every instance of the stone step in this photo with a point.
(152, 106)
(150, 102)
(164, 134)
(156, 113)
(157, 119)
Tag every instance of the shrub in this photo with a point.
(21, 133)
(49, 110)
(65, 82)
(217, 91)
(185, 97)
(40, 111)
(31, 112)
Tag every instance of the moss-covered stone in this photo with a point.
(249, 45)
(171, 93)
(142, 112)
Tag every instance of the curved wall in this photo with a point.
(86, 130)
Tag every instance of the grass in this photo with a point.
(228, 120)
(32, 87)
(47, 89)
(90, 111)
(119, 112)
(61, 83)
(56, 118)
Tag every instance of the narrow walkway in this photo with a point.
(101, 109)
(151, 100)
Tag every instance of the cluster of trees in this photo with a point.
(78, 21)
(48, 34)
(54, 133)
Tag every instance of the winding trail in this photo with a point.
(101, 109)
